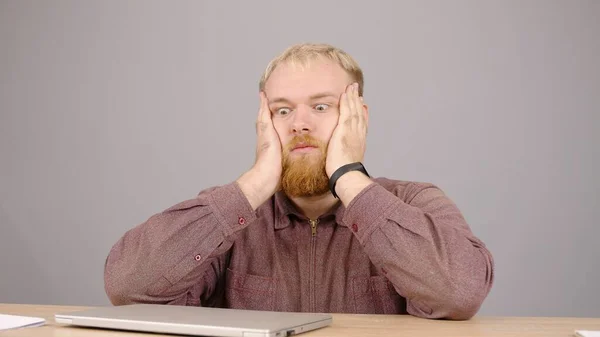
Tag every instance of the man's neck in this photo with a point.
(313, 207)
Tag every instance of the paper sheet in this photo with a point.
(587, 333)
(14, 322)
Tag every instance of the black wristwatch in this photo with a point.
(343, 170)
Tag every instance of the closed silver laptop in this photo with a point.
(196, 321)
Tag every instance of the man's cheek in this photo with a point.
(279, 130)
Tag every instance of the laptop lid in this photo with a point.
(197, 321)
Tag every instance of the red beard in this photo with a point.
(304, 174)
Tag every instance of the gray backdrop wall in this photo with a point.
(111, 111)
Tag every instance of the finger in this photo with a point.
(364, 112)
(264, 114)
(343, 107)
(260, 104)
(350, 96)
(354, 117)
(352, 101)
(360, 106)
(347, 118)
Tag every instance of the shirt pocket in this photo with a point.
(376, 295)
(250, 292)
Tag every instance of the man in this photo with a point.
(306, 228)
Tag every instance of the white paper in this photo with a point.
(14, 322)
(587, 333)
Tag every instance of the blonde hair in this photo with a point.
(301, 54)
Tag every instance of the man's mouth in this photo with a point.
(303, 148)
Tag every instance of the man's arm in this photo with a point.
(422, 244)
(176, 256)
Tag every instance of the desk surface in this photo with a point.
(343, 325)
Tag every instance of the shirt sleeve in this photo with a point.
(423, 245)
(177, 256)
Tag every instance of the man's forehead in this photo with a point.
(293, 81)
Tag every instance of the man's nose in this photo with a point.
(301, 122)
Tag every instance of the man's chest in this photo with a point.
(296, 268)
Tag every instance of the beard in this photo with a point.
(304, 174)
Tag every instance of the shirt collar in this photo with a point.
(285, 208)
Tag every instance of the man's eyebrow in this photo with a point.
(324, 95)
(312, 97)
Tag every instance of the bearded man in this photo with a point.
(307, 229)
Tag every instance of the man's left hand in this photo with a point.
(348, 141)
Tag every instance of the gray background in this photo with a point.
(112, 111)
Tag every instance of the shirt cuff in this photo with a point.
(232, 208)
(367, 210)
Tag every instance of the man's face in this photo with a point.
(304, 102)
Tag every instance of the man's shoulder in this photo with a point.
(405, 189)
(394, 184)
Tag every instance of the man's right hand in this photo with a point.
(263, 179)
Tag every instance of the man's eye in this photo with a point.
(321, 107)
(283, 111)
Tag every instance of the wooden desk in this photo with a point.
(343, 325)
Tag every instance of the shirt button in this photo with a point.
(354, 227)
(241, 221)
(197, 257)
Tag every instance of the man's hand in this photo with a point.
(348, 141)
(263, 179)
(348, 144)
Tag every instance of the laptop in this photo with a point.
(196, 321)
